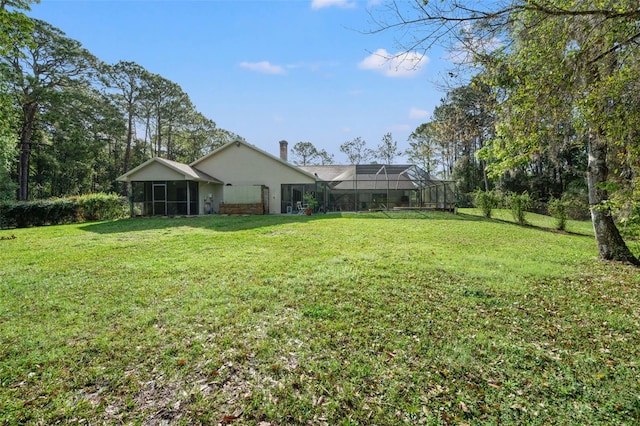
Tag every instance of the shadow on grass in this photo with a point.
(440, 215)
(243, 223)
(213, 222)
(419, 214)
(537, 227)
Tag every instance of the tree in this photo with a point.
(199, 136)
(129, 80)
(422, 149)
(8, 121)
(48, 64)
(75, 128)
(74, 124)
(15, 33)
(568, 70)
(552, 62)
(324, 157)
(15, 26)
(168, 110)
(388, 149)
(356, 151)
(304, 153)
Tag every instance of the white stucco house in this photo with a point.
(240, 178)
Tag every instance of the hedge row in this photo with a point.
(63, 210)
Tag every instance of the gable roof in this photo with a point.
(255, 148)
(189, 172)
(332, 172)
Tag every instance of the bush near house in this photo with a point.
(62, 210)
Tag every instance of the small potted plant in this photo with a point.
(310, 202)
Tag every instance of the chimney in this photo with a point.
(284, 150)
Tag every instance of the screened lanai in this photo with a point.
(379, 187)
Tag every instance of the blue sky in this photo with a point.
(299, 70)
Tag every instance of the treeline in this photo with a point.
(461, 143)
(71, 124)
(356, 151)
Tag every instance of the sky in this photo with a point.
(268, 70)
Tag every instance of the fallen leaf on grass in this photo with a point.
(318, 401)
(229, 419)
(519, 407)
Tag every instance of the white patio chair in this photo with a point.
(300, 207)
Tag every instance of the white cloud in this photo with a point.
(264, 67)
(344, 4)
(404, 64)
(418, 114)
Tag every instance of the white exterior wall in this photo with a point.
(241, 165)
(156, 172)
(204, 189)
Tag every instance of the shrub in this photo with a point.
(5, 209)
(62, 210)
(486, 201)
(558, 209)
(519, 204)
(101, 206)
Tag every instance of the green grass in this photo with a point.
(381, 318)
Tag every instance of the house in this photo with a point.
(239, 178)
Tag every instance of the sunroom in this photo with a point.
(380, 187)
(161, 187)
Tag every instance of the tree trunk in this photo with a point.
(158, 137)
(29, 114)
(127, 150)
(610, 244)
(169, 143)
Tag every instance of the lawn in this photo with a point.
(352, 319)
